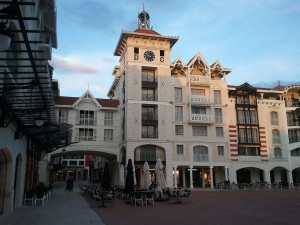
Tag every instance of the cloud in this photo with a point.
(79, 73)
(71, 64)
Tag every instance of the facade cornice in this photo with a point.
(125, 34)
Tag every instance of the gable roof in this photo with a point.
(69, 101)
(87, 95)
(223, 69)
(64, 100)
(198, 57)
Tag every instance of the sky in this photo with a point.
(259, 40)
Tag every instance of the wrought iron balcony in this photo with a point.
(200, 100)
(200, 80)
(201, 118)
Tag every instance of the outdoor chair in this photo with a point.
(149, 198)
(171, 194)
(29, 198)
(109, 195)
(185, 194)
(138, 197)
(96, 196)
(40, 198)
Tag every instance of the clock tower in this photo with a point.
(143, 86)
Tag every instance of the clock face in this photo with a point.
(149, 56)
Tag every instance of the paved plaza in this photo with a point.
(211, 207)
(218, 207)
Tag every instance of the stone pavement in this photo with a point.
(210, 207)
(63, 208)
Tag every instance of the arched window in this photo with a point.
(200, 153)
(274, 118)
(276, 136)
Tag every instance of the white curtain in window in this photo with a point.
(178, 94)
(200, 153)
(178, 113)
(274, 118)
(217, 97)
(218, 115)
(199, 131)
(276, 136)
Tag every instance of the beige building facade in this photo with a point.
(204, 130)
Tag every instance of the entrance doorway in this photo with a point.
(243, 176)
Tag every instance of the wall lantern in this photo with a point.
(39, 122)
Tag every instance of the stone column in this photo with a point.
(290, 177)
(183, 177)
(211, 177)
(232, 175)
(191, 177)
(226, 173)
(267, 177)
(203, 178)
(175, 176)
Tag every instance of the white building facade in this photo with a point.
(95, 138)
(204, 130)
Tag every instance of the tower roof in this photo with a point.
(143, 31)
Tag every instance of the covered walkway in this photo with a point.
(62, 208)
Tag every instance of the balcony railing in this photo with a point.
(200, 100)
(150, 97)
(200, 80)
(88, 122)
(85, 138)
(201, 118)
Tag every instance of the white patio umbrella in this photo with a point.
(147, 179)
(122, 177)
(160, 178)
(134, 175)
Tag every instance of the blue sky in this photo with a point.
(258, 39)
